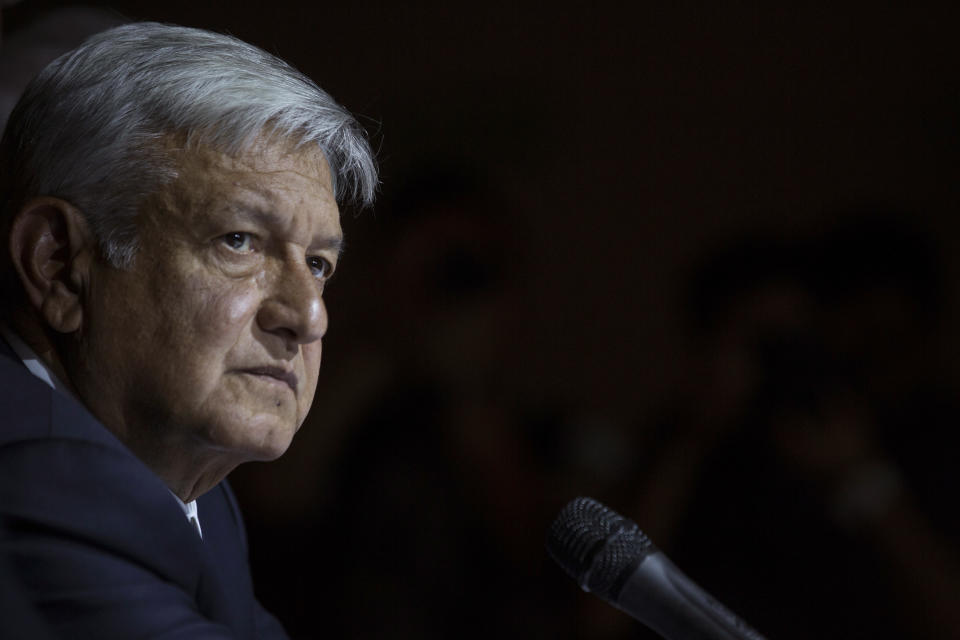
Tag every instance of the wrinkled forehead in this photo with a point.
(265, 153)
(202, 173)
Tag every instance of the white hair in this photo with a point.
(89, 128)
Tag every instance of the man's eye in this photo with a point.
(321, 268)
(238, 241)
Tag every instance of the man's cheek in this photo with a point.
(238, 302)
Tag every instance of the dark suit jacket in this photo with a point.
(96, 545)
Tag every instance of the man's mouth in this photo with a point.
(277, 373)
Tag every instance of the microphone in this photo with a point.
(608, 555)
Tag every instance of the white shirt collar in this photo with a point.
(32, 361)
(190, 510)
(37, 367)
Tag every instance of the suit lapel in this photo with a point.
(227, 590)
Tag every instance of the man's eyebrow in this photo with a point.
(336, 243)
(255, 213)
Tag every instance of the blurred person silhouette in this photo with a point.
(806, 478)
(439, 488)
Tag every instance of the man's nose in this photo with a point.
(294, 307)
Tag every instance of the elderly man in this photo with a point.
(169, 221)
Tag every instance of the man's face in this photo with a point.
(211, 341)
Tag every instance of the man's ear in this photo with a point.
(51, 248)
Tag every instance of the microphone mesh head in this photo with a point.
(596, 546)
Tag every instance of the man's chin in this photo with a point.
(254, 443)
(272, 447)
(268, 454)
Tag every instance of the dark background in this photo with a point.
(584, 160)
